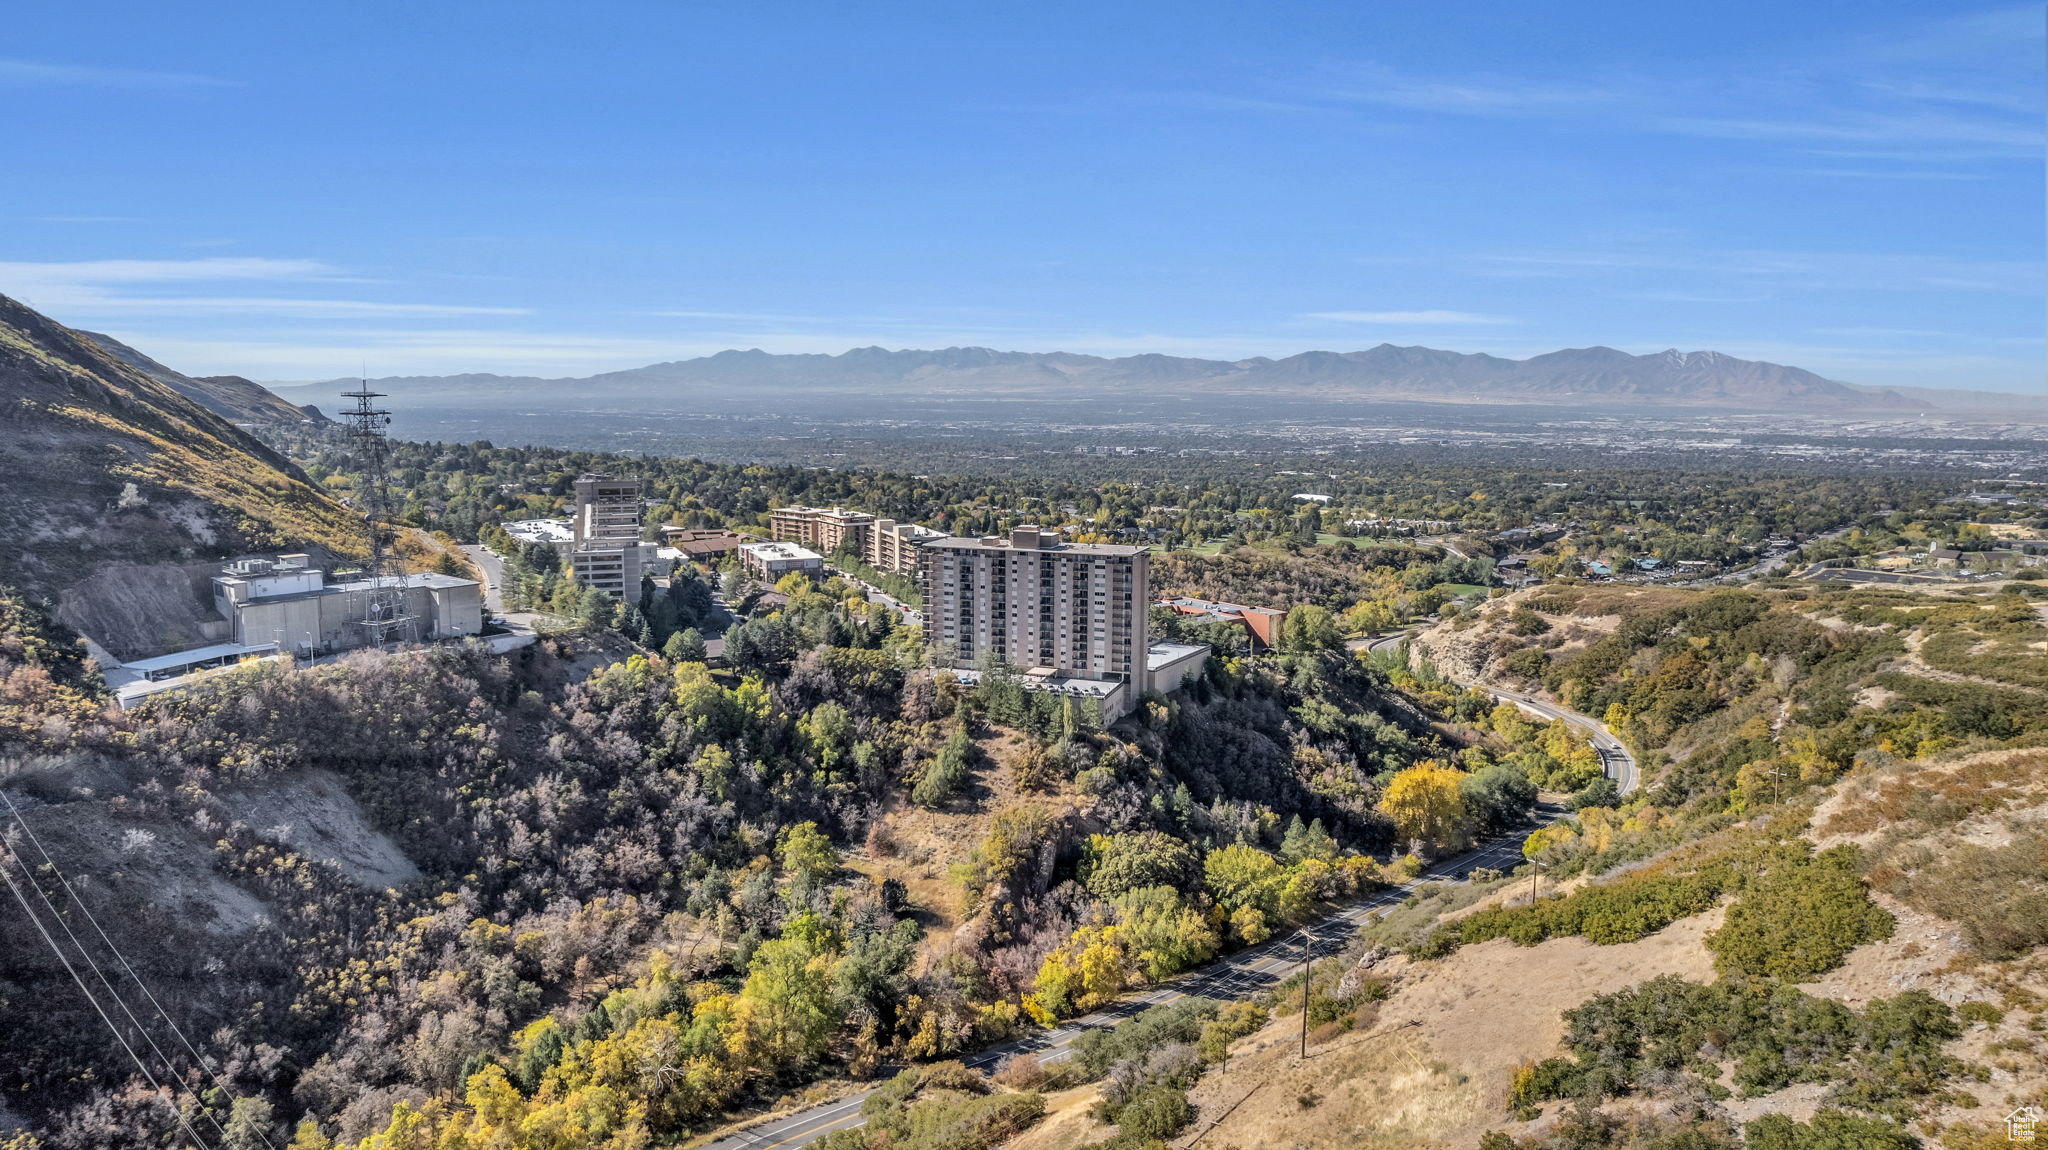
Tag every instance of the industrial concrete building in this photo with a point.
(883, 544)
(1060, 611)
(288, 604)
(606, 551)
(771, 561)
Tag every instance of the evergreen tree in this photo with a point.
(689, 644)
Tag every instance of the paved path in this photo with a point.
(493, 568)
(1240, 975)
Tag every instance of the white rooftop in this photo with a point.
(540, 530)
(198, 655)
(1054, 684)
(781, 551)
(1166, 654)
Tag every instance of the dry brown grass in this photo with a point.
(923, 845)
(1916, 797)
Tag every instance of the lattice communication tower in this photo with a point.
(385, 618)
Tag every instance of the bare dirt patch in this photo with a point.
(1435, 1069)
(312, 813)
(1069, 1123)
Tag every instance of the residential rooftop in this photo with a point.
(781, 551)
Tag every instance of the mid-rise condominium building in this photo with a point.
(606, 551)
(822, 529)
(883, 544)
(1059, 611)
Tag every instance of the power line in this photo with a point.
(100, 1010)
(79, 902)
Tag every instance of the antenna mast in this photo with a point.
(385, 619)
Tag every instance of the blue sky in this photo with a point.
(288, 190)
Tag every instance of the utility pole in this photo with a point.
(1307, 941)
(384, 611)
(1535, 868)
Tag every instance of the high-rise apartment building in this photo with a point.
(1060, 611)
(606, 552)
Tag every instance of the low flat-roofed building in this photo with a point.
(1261, 623)
(1112, 697)
(828, 529)
(554, 533)
(771, 561)
(699, 543)
(884, 544)
(179, 663)
(1171, 666)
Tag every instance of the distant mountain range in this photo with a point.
(1577, 377)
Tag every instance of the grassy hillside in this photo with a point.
(100, 462)
(1823, 920)
(229, 396)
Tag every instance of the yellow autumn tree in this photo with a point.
(1088, 971)
(1426, 804)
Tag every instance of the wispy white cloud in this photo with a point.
(1484, 96)
(41, 74)
(1942, 92)
(164, 271)
(285, 306)
(83, 289)
(1777, 271)
(1427, 318)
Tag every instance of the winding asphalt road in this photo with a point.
(1236, 976)
(1615, 759)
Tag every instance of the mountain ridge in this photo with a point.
(232, 397)
(1596, 375)
(102, 462)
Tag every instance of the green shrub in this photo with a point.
(1233, 1022)
(1882, 1060)
(1984, 1012)
(938, 1107)
(1156, 1113)
(1095, 1051)
(1623, 910)
(1831, 1130)
(1528, 663)
(1799, 918)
